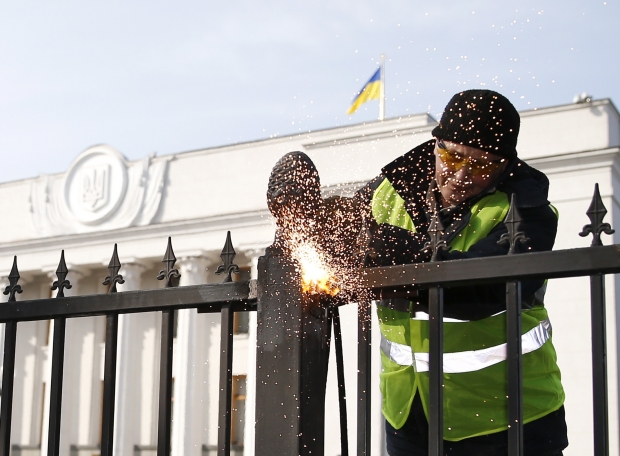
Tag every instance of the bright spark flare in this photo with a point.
(316, 274)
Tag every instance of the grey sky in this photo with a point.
(175, 76)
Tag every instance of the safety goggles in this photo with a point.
(455, 161)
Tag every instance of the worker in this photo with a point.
(465, 176)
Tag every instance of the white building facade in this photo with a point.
(195, 197)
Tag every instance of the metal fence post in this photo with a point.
(435, 346)
(596, 213)
(8, 368)
(435, 374)
(364, 338)
(291, 362)
(599, 365)
(515, 368)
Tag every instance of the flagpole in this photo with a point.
(382, 94)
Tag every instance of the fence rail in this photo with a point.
(207, 298)
(555, 264)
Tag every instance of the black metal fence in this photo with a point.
(226, 298)
(293, 338)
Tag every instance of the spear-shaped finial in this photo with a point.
(228, 255)
(13, 279)
(113, 267)
(596, 213)
(169, 274)
(512, 222)
(435, 230)
(62, 281)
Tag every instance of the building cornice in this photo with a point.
(579, 160)
(310, 139)
(180, 227)
(570, 107)
(549, 164)
(349, 134)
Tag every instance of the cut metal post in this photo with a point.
(515, 371)
(599, 365)
(435, 329)
(291, 362)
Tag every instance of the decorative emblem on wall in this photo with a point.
(100, 191)
(95, 186)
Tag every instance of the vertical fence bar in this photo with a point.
(111, 346)
(342, 399)
(8, 373)
(315, 343)
(165, 383)
(58, 359)
(109, 385)
(599, 365)
(226, 356)
(435, 314)
(363, 378)
(596, 213)
(515, 372)
(164, 424)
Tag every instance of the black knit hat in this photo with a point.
(483, 119)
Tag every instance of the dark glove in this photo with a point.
(389, 245)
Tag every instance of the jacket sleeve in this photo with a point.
(387, 244)
(392, 245)
(475, 302)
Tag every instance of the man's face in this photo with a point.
(462, 171)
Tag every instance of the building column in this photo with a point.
(188, 369)
(4, 282)
(137, 371)
(250, 401)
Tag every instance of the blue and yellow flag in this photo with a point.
(370, 91)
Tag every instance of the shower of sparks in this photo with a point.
(324, 251)
(317, 274)
(319, 234)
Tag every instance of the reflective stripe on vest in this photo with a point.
(466, 361)
(423, 316)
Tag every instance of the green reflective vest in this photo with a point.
(475, 368)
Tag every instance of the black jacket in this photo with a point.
(412, 176)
